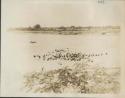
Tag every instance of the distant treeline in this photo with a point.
(37, 27)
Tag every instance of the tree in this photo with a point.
(37, 27)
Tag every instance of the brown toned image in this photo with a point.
(61, 48)
(76, 70)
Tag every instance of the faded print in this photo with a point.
(61, 47)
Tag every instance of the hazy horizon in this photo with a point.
(22, 13)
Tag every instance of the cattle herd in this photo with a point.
(66, 54)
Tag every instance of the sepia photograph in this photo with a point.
(62, 48)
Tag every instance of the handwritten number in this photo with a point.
(101, 1)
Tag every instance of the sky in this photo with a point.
(21, 13)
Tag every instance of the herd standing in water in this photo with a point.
(66, 54)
